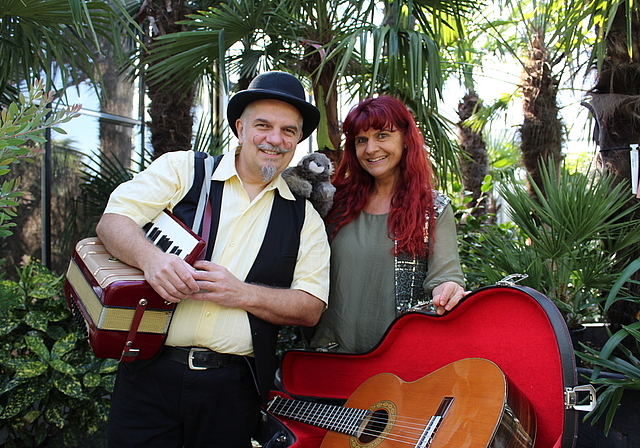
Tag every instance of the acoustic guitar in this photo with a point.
(468, 403)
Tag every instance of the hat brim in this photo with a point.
(239, 101)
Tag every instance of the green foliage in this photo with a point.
(472, 224)
(291, 338)
(52, 388)
(20, 123)
(58, 40)
(615, 356)
(571, 242)
(100, 176)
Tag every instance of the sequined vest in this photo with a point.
(411, 272)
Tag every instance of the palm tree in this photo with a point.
(547, 39)
(541, 132)
(355, 48)
(57, 41)
(473, 154)
(614, 97)
(170, 109)
(614, 104)
(116, 99)
(51, 39)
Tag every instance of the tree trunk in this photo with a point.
(326, 95)
(329, 136)
(615, 106)
(117, 99)
(473, 158)
(170, 109)
(541, 131)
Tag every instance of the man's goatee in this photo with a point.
(268, 172)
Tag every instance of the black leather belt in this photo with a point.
(198, 358)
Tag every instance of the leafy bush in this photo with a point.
(21, 122)
(570, 242)
(619, 355)
(52, 388)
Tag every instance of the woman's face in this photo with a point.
(379, 152)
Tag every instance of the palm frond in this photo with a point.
(42, 37)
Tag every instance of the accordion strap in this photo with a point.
(128, 352)
(203, 202)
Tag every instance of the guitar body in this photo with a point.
(480, 414)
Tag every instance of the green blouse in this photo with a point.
(362, 297)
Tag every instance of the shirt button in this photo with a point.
(233, 244)
(207, 314)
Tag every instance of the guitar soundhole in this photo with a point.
(375, 426)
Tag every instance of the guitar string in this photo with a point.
(415, 426)
(411, 436)
(406, 438)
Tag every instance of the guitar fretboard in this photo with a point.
(331, 417)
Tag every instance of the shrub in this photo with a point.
(53, 390)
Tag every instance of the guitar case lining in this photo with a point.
(516, 327)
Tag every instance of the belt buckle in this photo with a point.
(190, 360)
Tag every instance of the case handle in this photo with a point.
(511, 280)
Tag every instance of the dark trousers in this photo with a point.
(166, 405)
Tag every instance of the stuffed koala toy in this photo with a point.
(310, 178)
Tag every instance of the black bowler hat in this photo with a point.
(276, 86)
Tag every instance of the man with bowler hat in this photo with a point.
(266, 265)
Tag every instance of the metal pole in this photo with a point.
(141, 115)
(46, 200)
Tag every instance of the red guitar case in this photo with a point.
(515, 327)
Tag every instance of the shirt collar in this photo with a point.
(227, 169)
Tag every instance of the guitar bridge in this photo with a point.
(434, 422)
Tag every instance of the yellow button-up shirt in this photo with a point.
(242, 227)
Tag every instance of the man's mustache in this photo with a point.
(276, 149)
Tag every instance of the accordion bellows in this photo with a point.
(105, 294)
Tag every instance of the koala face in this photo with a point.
(319, 164)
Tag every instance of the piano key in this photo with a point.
(170, 236)
(153, 235)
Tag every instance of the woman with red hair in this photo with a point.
(393, 237)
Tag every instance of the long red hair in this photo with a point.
(412, 200)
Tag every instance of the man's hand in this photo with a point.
(170, 276)
(218, 285)
(280, 306)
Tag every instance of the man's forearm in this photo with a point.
(124, 239)
(284, 306)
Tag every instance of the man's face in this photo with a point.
(268, 131)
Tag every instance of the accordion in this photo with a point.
(120, 313)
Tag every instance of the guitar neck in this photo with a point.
(331, 417)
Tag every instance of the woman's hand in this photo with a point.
(446, 296)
